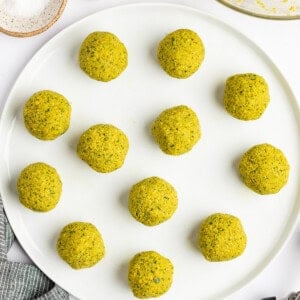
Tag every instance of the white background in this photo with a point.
(280, 39)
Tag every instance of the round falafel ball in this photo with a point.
(181, 53)
(246, 96)
(103, 56)
(176, 130)
(80, 245)
(103, 147)
(39, 187)
(221, 237)
(152, 201)
(150, 274)
(47, 115)
(264, 169)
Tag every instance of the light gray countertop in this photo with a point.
(280, 39)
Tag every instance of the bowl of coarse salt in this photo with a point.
(23, 18)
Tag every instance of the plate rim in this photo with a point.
(290, 226)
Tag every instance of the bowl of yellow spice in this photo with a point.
(270, 9)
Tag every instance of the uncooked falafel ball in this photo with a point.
(264, 169)
(150, 274)
(103, 147)
(39, 187)
(222, 237)
(80, 245)
(246, 96)
(152, 201)
(181, 53)
(47, 115)
(176, 130)
(103, 56)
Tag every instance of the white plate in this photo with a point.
(206, 178)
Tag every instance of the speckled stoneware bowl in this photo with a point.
(24, 26)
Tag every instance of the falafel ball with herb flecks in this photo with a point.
(80, 244)
(181, 53)
(176, 130)
(39, 187)
(103, 147)
(246, 96)
(222, 237)
(103, 56)
(150, 274)
(47, 115)
(264, 169)
(152, 201)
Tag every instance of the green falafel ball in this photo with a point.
(152, 201)
(80, 245)
(246, 96)
(39, 187)
(150, 274)
(181, 53)
(103, 147)
(222, 237)
(176, 130)
(47, 115)
(264, 169)
(103, 56)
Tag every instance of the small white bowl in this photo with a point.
(28, 26)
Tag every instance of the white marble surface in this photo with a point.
(280, 39)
